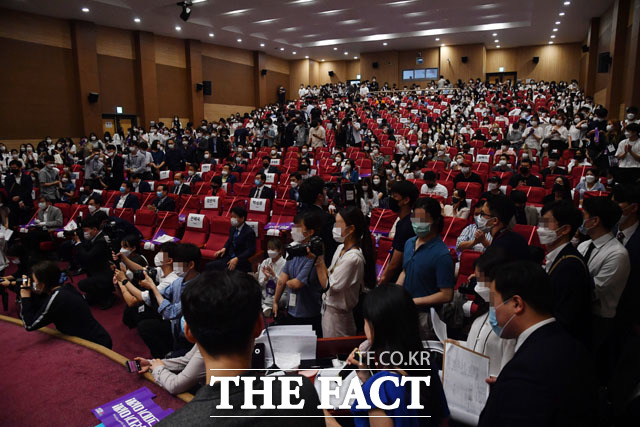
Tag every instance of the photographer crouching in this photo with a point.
(45, 298)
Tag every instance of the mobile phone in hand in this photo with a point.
(133, 366)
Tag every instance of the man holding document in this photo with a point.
(550, 380)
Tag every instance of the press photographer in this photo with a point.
(45, 299)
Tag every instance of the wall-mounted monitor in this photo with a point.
(431, 73)
(420, 74)
(407, 74)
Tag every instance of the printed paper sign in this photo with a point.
(205, 167)
(258, 205)
(195, 221)
(165, 174)
(275, 162)
(271, 178)
(211, 202)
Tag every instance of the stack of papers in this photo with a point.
(289, 339)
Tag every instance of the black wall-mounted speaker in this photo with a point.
(263, 72)
(585, 48)
(465, 59)
(331, 74)
(206, 87)
(93, 97)
(536, 59)
(375, 65)
(199, 87)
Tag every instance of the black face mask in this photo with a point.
(455, 200)
(393, 204)
(265, 165)
(524, 170)
(557, 188)
(15, 171)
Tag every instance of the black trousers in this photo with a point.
(221, 264)
(98, 289)
(157, 335)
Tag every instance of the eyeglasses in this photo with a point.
(486, 215)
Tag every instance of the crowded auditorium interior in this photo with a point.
(359, 213)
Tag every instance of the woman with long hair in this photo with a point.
(349, 272)
(391, 327)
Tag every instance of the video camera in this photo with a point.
(314, 245)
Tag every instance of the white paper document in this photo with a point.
(439, 327)
(464, 374)
(289, 339)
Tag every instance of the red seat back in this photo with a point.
(452, 229)
(196, 230)
(382, 220)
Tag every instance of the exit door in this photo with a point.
(113, 122)
(502, 77)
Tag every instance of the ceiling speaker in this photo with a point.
(206, 86)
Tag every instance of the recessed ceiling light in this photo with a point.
(261, 44)
(498, 46)
(85, 9)
(496, 40)
(553, 36)
(385, 43)
(412, 14)
(355, 57)
(335, 48)
(346, 53)
(437, 39)
(349, 21)
(400, 3)
(294, 52)
(323, 60)
(306, 56)
(331, 12)
(567, 3)
(555, 29)
(561, 14)
(136, 20)
(558, 22)
(197, 1)
(236, 12)
(550, 42)
(266, 21)
(494, 34)
(178, 28)
(281, 48)
(301, 1)
(239, 40)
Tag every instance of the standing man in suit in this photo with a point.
(126, 200)
(549, 381)
(163, 202)
(49, 179)
(240, 245)
(570, 279)
(114, 166)
(19, 187)
(261, 191)
(179, 185)
(94, 254)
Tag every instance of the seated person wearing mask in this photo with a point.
(466, 175)
(553, 168)
(525, 215)
(471, 237)
(179, 185)
(223, 321)
(427, 268)
(94, 254)
(57, 303)
(163, 202)
(163, 336)
(525, 177)
(305, 294)
(432, 187)
(261, 190)
(216, 188)
(239, 247)
(126, 200)
(550, 379)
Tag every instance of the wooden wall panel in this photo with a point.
(604, 45)
(228, 54)
(274, 81)
(452, 67)
(353, 69)
(387, 70)
(231, 83)
(35, 28)
(299, 74)
(216, 111)
(277, 64)
(556, 62)
(39, 92)
(339, 69)
(115, 42)
(170, 51)
(117, 84)
(173, 98)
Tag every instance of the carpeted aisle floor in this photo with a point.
(52, 382)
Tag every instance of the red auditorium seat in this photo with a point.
(211, 206)
(243, 190)
(259, 210)
(473, 189)
(529, 232)
(230, 202)
(126, 214)
(187, 204)
(535, 195)
(382, 220)
(218, 235)
(452, 229)
(168, 222)
(196, 230)
(467, 260)
(144, 221)
(283, 211)
(64, 207)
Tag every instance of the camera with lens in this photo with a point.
(138, 275)
(314, 245)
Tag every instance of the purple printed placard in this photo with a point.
(159, 234)
(278, 226)
(136, 408)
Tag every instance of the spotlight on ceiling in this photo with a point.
(186, 10)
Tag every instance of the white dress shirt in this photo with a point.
(531, 329)
(483, 340)
(551, 256)
(609, 266)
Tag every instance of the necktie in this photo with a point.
(587, 255)
(258, 192)
(620, 236)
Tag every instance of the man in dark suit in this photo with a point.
(240, 245)
(140, 186)
(495, 218)
(94, 254)
(525, 177)
(18, 187)
(267, 167)
(312, 198)
(550, 379)
(114, 165)
(179, 185)
(126, 200)
(261, 191)
(163, 202)
(570, 278)
(295, 181)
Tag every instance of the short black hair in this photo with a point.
(501, 207)
(128, 184)
(518, 196)
(222, 317)
(91, 222)
(169, 248)
(239, 211)
(604, 208)
(565, 213)
(633, 127)
(627, 193)
(49, 158)
(312, 220)
(187, 252)
(405, 189)
(261, 176)
(132, 240)
(432, 207)
(490, 261)
(310, 189)
(48, 273)
(429, 176)
(527, 280)
(97, 199)
(16, 162)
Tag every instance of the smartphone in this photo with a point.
(258, 356)
(133, 366)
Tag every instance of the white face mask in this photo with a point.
(158, 260)
(552, 164)
(234, 222)
(590, 179)
(576, 120)
(547, 236)
(86, 235)
(376, 181)
(125, 252)
(482, 290)
(273, 254)
(178, 268)
(492, 186)
(465, 170)
(503, 162)
(297, 235)
(91, 208)
(42, 205)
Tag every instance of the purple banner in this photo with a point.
(134, 409)
(278, 226)
(159, 234)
